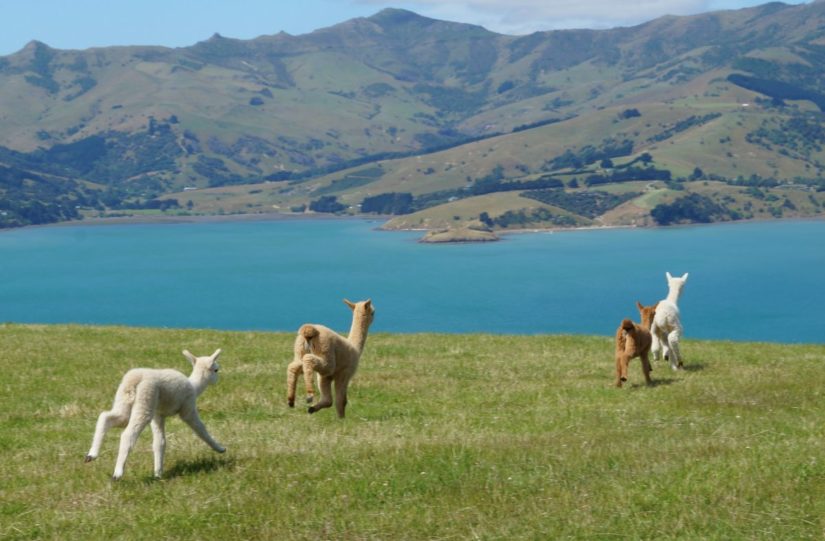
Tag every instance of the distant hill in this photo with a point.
(708, 117)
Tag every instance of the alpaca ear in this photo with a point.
(667, 274)
(684, 278)
(350, 304)
(368, 304)
(216, 354)
(192, 358)
(639, 305)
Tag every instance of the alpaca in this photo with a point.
(667, 325)
(634, 341)
(334, 358)
(148, 394)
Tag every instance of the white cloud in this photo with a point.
(526, 16)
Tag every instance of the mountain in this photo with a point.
(709, 117)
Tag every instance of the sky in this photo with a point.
(81, 24)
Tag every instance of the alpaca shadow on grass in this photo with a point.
(655, 383)
(689, 367)
(660, 382)
(693, 367)
(201, 465)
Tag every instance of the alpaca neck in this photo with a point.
(673, 294)
(358, 332)
(199, 381)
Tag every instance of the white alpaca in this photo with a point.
(667, 326)
(148, 394)
(321, 350)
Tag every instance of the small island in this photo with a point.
(459, 234)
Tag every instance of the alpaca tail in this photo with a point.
(308, 332)
(628, 325)
(127, 390)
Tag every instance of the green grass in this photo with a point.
(446, 437)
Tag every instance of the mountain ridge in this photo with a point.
(139, 124)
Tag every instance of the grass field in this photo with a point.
(446, 437)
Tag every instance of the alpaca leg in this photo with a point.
(341, 385)
(675, 355)
(313, 364)
(192, 418)
(158, 442)
(646, 368)
(618, 370)
(326, 395)
(137, 422)
(622, 362)
(295, 367)
(117, 416)
(655, 346)
(309, 374)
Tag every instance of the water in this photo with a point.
(749, 281)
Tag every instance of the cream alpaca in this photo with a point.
(667, 325)
(148, 394)
(321, 350)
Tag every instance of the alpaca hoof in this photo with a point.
(310, 399)
(291, 403)
(116, 477)
(311, 410)
(624, 379)
(88, 458)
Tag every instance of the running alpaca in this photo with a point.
(148, 394)
(335, 358)
(634, 341)
(667, 325)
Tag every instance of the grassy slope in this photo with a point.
(717, 147)
(448, 437)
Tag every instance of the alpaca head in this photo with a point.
(363, 310)
(646, 314)
(207, 366)
(676, 284)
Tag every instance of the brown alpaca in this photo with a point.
(634, 341)
(321, 350)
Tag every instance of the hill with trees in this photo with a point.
(402, 114)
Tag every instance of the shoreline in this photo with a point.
(280, 216)
(193, 218)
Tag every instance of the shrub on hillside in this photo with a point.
(388, 203)
(693, 208)
(590, 203)
(327, 203)
(589, 154)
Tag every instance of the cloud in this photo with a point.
(527, 16)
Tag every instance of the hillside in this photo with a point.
(446, 437)
(420, 114)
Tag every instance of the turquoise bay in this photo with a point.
(748, 281)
